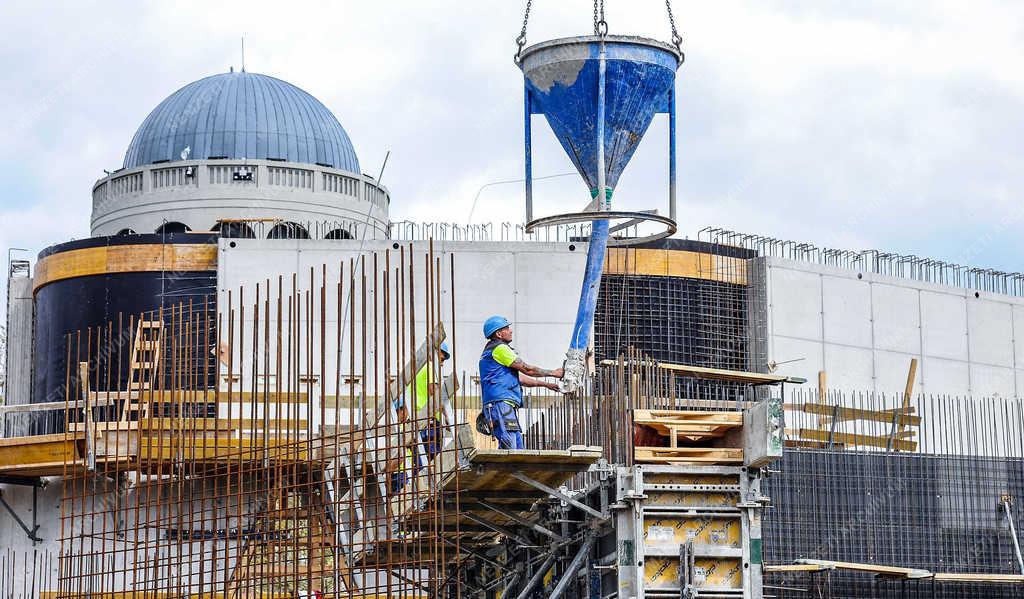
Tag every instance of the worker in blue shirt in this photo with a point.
(503, 374)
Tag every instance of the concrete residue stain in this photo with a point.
(561, 72)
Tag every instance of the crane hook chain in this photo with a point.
(600, 25)
(677, 40)
(521, 40)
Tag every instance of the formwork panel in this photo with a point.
(678, 511)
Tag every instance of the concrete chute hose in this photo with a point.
(576, 357)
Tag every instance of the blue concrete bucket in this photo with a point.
(563, 83)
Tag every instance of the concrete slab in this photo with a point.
(944, 325)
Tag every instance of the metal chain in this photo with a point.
(600, 25)
(677, 41)
(521, 40)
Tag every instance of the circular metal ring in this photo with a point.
(581, 217)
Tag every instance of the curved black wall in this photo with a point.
(66, 306)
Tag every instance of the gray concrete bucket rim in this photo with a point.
(607, 39)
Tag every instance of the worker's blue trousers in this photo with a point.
(504, 425)
(431, 436)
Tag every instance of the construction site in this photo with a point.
(249, 382)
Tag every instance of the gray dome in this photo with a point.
(242, 115)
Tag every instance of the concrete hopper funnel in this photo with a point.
(564, 82)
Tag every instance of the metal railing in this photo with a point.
(904, 266)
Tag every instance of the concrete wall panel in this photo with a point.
(19, 340)
(848, 367)
(991, 336)
(547, 286)
(945, 377)
(803, 358)
(795, 303)
(846, 311)
(485, 285)
(988, 381)
(891, 369)
(1018, 338)
(967, 344)
(536, 285)
(897, 318)
(944, 325)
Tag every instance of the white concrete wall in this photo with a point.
(92, 518)
(863, 329)
(16, 545)
(19, 340)
(536, 285)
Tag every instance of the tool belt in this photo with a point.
(508, 414)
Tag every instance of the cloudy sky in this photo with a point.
(869, 124)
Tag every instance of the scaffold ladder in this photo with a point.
(144, 365)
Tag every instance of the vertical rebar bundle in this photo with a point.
(288, 443)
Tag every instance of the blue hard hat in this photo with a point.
(444, 349)
(494, 324)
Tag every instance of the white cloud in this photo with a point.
(874, 124)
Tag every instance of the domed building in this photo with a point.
(240, 148)
(235, 155)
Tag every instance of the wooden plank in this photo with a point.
(687, 460)
(870, 568)
(38, 439)
(712, 455)
(908, 391)
(675, 263)
(735, 417)
(22, 455)
(987, 578)
(209, 396)
(883, 416)
(882, 442)
(187, 425)
(796, 568)
(719, 374)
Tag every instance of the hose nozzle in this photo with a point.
(575, 367)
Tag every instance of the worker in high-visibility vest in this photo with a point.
(503, 374)
(430, 434)
(421, 385)
(425, 381)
